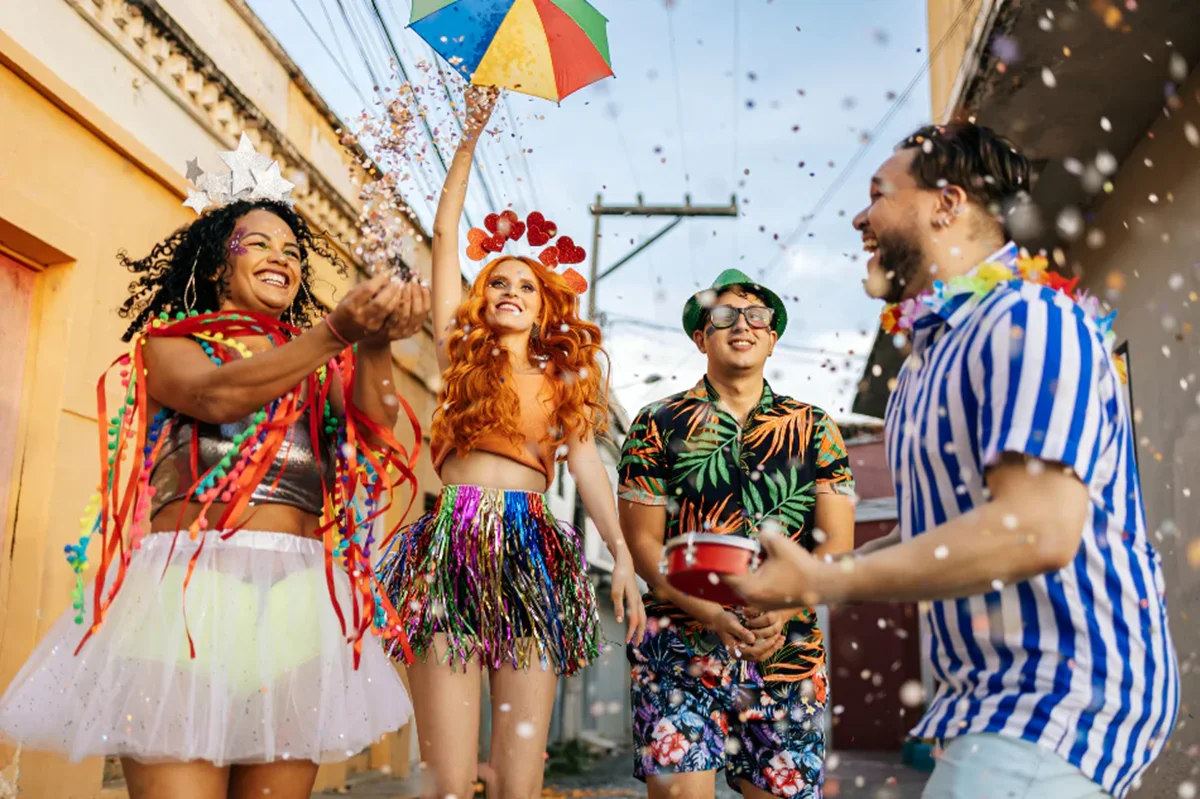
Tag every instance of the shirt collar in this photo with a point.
(956, 309)
(705, 390)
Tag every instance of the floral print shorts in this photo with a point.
(695, 708)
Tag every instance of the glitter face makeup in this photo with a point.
(235, 242)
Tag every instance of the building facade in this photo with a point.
(873, 647)
(102, 102)
(1104, 98)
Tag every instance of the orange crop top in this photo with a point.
(537, 449)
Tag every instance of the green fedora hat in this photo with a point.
(693, 311)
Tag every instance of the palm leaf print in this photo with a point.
(702, 457)
(832, 448)
(787, 501)
(719, 519)
(699, 416)
(642, 445)
(782, 427)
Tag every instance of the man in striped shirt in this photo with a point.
(1022, 531)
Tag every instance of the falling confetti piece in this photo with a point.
(1193, 554)
(1048, 78)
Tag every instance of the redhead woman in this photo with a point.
(225, 648)
(489, 581)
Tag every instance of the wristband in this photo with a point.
(336, 334)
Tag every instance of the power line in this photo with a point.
(343, 63)
(806, 221)
(512, 120)
(420, 112)
(359, 47)
(341, 67)
(737, 102)
(486, 176)
(687, 175)
(371, 38)
(336, 39)
(612, 115)
(381, 24)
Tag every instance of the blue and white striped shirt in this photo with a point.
(1079, 661)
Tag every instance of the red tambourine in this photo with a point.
(695, 562)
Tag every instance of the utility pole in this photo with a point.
(600, 210)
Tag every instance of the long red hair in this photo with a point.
(476, 397)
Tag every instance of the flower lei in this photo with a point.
(366, 474)
(900, 317)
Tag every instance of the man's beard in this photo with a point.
(901, 258)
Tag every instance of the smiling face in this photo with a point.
(512, 297)
(263, 265)
(740, 348)
(892, 226)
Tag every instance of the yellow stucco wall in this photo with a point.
(953, 25)
(76, 187)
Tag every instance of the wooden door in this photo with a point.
(16, 302)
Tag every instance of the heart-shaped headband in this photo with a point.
(538, 231)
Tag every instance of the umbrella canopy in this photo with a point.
(546, 48)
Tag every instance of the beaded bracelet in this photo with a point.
(336, 334)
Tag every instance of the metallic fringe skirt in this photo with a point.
(500, 577)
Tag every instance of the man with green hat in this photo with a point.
(713, 687)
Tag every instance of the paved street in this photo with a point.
(852, 775)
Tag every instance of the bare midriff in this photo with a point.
(488, 470)
(268, 517)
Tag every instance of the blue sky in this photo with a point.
(774, 117)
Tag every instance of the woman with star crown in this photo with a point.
(228, 642)
(489, 580)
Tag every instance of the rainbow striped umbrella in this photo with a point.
(547, 48)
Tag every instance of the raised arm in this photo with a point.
(181, 377)
(447, 271)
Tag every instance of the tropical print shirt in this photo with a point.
(689, 454)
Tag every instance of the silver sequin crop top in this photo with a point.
(299, 485)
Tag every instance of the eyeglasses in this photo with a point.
(723, 316)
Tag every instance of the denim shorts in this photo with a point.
(988, 766)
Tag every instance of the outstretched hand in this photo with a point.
(408, 312)
(788, 577)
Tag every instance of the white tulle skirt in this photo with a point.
(273, 677)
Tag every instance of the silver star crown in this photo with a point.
(250, 177)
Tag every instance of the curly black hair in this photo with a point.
(986, 165)
(202, 246)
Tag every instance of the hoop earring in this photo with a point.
(191, 284)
